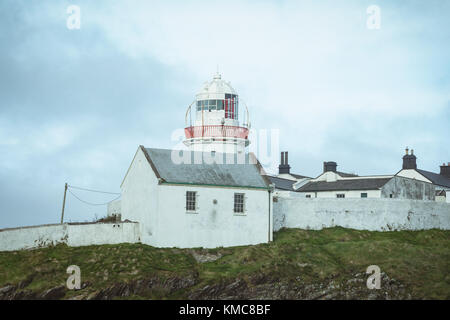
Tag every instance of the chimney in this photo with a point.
(409, 160)
(284, 166)
(329, 166)
(445, 170)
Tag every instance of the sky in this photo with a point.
(76, 103)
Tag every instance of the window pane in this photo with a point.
(190, 200)
(212, 102)
(219, 105)
(239, 202)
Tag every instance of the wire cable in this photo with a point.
(98, 191)
(90, 203)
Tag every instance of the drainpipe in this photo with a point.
(270, 231)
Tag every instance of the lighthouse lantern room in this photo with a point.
(216, 126)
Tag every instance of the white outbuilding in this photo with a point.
(192, 199)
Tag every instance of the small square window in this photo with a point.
(340, 195)
(364, 195)
(191, 197)
(239, 203)
(308, 196)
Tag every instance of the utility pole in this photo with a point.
(64, 203)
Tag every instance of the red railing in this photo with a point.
(216, 131)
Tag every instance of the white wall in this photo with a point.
(114, 207)
(213, 225)
(140, 197)
(72, 234)
(102, 233)
(348, 194)
(362, 214)
(412, 174)
(32, 237)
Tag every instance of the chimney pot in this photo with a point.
(284, 165)
(409, 160)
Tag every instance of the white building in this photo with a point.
(334, 184)
(196, 205)
(441, 181)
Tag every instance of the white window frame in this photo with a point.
(244, 198)
(195, 201)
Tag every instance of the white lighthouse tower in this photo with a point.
(216, 126)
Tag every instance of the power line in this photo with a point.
(98, 191)
(90, 203)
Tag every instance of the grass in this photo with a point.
(420, 259)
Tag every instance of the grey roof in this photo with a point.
(435, 178)
(216, 173)
(344, 175)
(282, 184)
(351, 184)
(298, 176)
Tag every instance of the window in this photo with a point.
(239, 203)
(390, 196)
(340, 195)
(212, 105)
(308, 196)
(219, 104)
(191, 200)
(364, 195)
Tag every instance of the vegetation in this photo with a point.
(418, 259)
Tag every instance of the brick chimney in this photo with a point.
(329, 166)
(445, 170)
(409, 160)
(284, 166)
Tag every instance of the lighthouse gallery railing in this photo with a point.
(216, 131)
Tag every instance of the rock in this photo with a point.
(6, 289)
(206, 257)
(53, 293)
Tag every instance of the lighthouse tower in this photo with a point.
(216, 126)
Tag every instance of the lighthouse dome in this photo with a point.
(216, 89)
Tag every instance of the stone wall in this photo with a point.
(361, 214)
(72, 234)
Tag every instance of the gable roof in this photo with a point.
(245, 175)
(435, 178)
(350, 184)
(281, 183)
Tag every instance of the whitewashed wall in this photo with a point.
(213, 225)
(361, 214)
(102, 233)
(32, 237)
(140, 197)
(71, 234)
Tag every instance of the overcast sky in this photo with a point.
(76, 104)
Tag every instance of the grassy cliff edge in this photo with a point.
(299, 264)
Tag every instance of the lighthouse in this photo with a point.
(213, 120)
